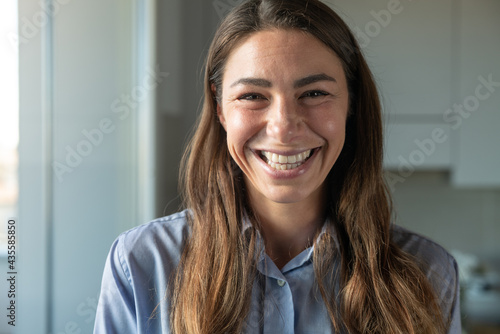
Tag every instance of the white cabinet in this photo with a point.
(408, 46)
(437, 66)
(477, 163)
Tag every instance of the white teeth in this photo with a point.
(283, 162)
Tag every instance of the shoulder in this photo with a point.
(171, 230)
(137, 273)
(426, 251)
(149, 247)
(438, 265)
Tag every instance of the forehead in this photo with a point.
(282, 54)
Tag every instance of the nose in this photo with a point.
(284, 121)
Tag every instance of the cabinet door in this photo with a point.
(408, 45)
(477, 116)
(411, 147)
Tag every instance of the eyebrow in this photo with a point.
(297, 84)
(312, 79)
(253, 81)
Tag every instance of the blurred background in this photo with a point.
(99, 99)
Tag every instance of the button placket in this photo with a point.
(279, 312)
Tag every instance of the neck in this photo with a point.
(288, 228)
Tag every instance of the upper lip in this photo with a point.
(286, 153)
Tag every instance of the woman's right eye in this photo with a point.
(251, 97)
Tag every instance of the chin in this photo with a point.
(287, 197)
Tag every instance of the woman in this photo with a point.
(288, 227)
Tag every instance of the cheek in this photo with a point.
(239, 128)
(332, 128)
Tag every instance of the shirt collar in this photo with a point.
(302, 258)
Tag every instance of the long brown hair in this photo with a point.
(382, 289)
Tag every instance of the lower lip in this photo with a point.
(289, 173)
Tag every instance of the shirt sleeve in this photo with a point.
(116, 309)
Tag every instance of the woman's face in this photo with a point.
(284, 108)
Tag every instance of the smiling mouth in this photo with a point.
(285, 162)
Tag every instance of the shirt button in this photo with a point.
(281, 282)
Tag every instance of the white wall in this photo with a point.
(91, 69)
(74, 65)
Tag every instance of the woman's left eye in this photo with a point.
(315, 93)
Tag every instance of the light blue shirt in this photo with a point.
(141, 261)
